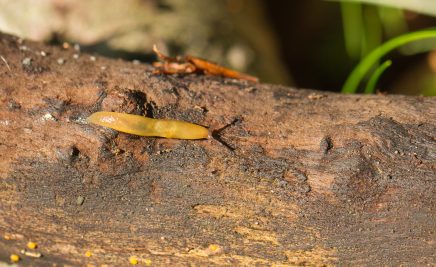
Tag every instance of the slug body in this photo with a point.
(139, 125)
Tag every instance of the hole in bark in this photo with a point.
(326, 144)
(74, 152)
(144, 107)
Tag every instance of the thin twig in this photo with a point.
(4, 60)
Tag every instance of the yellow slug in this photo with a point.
(140, 125)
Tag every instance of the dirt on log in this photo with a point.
(288, 177)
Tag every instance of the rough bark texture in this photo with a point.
(290, 177)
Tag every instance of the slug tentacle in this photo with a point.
(140, 125)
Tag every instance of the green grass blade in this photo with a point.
(352, 22)
(373, 32)
(370, 86)
(356, 76)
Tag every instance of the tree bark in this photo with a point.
(288, 177)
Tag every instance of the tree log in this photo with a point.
(288, 177)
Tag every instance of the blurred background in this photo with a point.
(302, 43)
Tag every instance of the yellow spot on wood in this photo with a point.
(14, 258)
(147, 262)
(88, 253)
(31, 245)
(133, 260)
(214, 247)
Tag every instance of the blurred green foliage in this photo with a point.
(365, 27)
(357, 75)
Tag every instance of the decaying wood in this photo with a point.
(290, 177)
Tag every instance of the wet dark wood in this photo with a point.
(290, 177)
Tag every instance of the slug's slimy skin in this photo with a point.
(139, 125)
